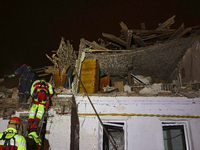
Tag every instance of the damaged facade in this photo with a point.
(141, 86)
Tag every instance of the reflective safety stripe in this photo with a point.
(20, 143)
(2, 142)
(12, 142)
(32, 112)
(40, 115)
(16, 136)
(40, 111)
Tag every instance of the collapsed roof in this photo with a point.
(155, 53)
(157, 60)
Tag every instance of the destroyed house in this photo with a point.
(139, 91)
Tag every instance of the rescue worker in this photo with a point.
(10, 140)
(25, 81)
(41, 91)
(37, 139)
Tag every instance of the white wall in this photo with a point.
(4, 123)
(60, 130)
(142, 132)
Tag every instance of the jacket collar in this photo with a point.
(11, 130)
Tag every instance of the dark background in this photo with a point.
(31, 29)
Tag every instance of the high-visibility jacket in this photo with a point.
(11, 138)
(40, 88)
(37, 139)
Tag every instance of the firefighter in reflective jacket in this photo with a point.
(37, 139)
(41, 91)
(10, 140)
(26, 79)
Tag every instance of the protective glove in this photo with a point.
(10, 76)
(36, 138)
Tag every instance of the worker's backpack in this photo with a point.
(7, 140)
(37, 91)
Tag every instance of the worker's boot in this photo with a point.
(25, 97)
(20, 98)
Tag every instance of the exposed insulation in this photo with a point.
(89, 76)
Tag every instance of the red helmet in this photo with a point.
(15, 120)
(23, 65)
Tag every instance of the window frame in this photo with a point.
(185, 128)
(110, 121)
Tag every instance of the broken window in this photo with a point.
(175, 135)
(117, 135)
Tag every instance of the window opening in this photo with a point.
(175, 136)
(116, 132)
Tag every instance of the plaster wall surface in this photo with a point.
(4, 123)
(143, 118)
(59, 127)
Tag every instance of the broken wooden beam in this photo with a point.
(124, 30)
(52, 60)
(128, 34)
(177, 32)
(137, 31)
(183, 32)
(129, 39)
(94, 45)
(39, 68)
(114, 39)
(139, 40)
(167, 23)
(157, 36)
(40, 75)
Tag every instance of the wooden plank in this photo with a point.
(139, 40)
(177, 32)
(168, 22)
(114, 39)
(183, 32)
(94, 45)
(137, 31)
(124, 30)
(119, 85)
(104, 81)
(157, 36)
(41, 75)
(143, 26)
(78, 68)
(129, 39)
(130, 80)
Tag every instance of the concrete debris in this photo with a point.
(108, 88)
(61, 90)
(152, 89)
(58, 90)
(146, 80)
(127, 88)
(2, 95)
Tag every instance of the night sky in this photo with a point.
(31, 29)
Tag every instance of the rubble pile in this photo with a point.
(132, 39)
(138, 62)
